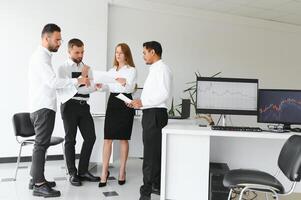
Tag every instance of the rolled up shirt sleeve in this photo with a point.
(54, 81)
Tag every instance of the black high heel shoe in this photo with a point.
(122, 182)
(102, 184)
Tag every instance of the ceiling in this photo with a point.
(285, 11)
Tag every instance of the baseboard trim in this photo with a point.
(28, 158)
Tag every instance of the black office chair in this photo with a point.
(289, 162)
(23, 128)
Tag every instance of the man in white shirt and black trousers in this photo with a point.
(76, 113)
(43, 84)
(153, 102)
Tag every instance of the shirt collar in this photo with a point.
(124, 66)
(157, 63)
(72, 63)
(45, 50)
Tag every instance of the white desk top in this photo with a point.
(190, 127)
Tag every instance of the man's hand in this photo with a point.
(98, 86)
(129, 105)
(85, 71)
(136, 103)
(83, 81)
(122, 81)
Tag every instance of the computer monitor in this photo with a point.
(279, 107)
(234, 96)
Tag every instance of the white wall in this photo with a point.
(195, 40)
(192, 40)
(21, 25)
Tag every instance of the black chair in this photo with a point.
(289, 162)
(23, 128)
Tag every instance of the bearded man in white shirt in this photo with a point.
(43, 84)
(76, 114)
(155, 94)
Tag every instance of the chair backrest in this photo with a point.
(289, 160)
(22, 125)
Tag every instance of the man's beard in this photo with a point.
(53, 48)
(77, 61)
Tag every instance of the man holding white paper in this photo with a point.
(153, 102)
(75, 113)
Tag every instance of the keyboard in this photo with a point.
(236, 128)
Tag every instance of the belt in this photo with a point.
(81, 102)
(154, 109)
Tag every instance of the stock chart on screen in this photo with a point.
(279, 106)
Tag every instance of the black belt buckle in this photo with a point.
(82, 102)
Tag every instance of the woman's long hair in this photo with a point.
(127, 55)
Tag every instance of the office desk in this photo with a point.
(136, 145)
(187, 150)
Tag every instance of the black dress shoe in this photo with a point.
(88, 177)
(45, 191)
(49, 183)
(102, 184)
(75, 180)
(142, 197)
(121, 182)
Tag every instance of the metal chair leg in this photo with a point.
(18, 161)
(275, 195)
(64, 158)
(230, 194)
(242, 193)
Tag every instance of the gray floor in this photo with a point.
(18, 190)
(261, 196)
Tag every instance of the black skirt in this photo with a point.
(119, 119)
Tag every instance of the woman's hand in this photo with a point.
(129, 105)
(98, 86)
(122, 81)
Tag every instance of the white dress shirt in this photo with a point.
(127, 72)
(43, 81)
(65, 71)
(157, 87)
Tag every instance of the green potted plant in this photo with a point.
(191, 90)
(171, 111)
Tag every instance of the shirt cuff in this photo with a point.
(74, 81)
(97, 89)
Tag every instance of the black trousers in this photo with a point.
(153, 120)
(77, 114)
(43, 122)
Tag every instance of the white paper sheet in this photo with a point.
(123, 98)
(103, 77)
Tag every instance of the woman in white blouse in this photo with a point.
(119, 117)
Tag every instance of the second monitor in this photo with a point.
(279, 107)
(227, 96)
